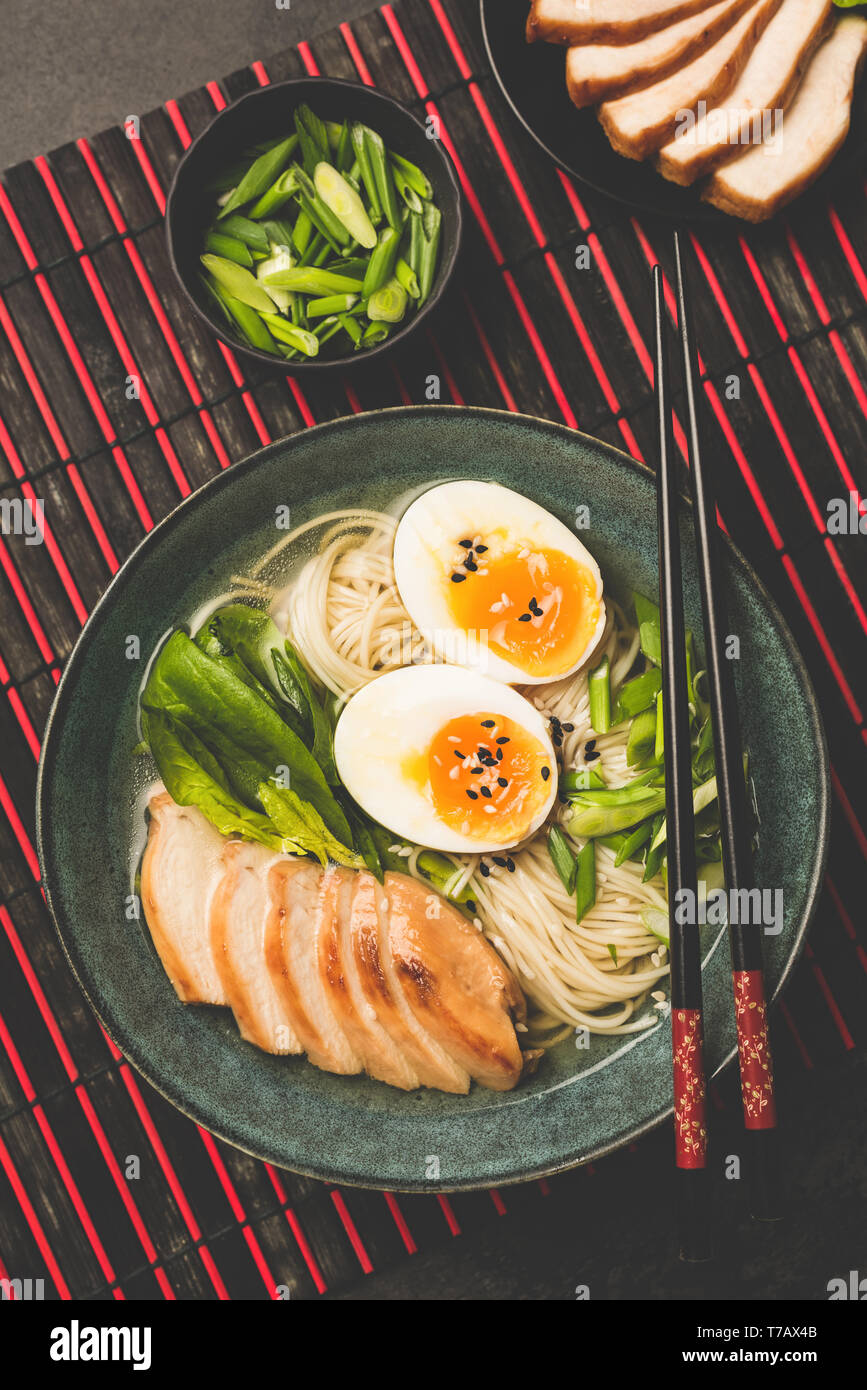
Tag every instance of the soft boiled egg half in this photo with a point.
(447, 758)
(496, 583)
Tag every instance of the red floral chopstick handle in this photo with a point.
(690, 1120)
(754, 1052)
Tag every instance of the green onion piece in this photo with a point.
(656, 922)
(260, 176)
(274, 197)
(315, 246)
(701, 797)
(375, 333)
(363, 160)
(281, 260)
(562, 858)
(382, 177)
(612, 951)
(585, 881)
(642, 737)
(252, 329)
(331, 304)
(415, 177)
(310, 280)
(647, 617)
(278, 232)
(332, 130)
(623, 796)
(238, 281)
(637, 695)
(313, 149)
(352, 327)
(343, 156)
(388, 304)
(302, 232)
(287, 333)
(588, 820)
(327, 328)
(229, 247)
(599, 686)
(583, 780)
(406, 191)
(431, 227)
(633, 842)
(654, 857)
(353, 266)
(406, 276)
(320, 213)
(382, 260)
(659, 738)
(345, 203)
(252, 234)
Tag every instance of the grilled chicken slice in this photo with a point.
(598, 72)
(238, 913)
(348, 907)
(296, 915)
(605, 21)
(767, 177)
(180, 870)
(639, 124)
(381, 980)
(775, 68)
(455, 983)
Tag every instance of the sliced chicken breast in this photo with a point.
(599, 72)
(180, 870)
(455, 983)
(383, 988)
(297, 913)
(767, 177)
(605, 21)
(357, 1014)
(639, 124)
(239, 910)
(749, 112)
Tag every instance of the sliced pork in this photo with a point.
(239, 910)
(455, 983)
(599, 72)
(180, 870)
(605, 21)
(639, 124)
(767, 177)
(756, 102)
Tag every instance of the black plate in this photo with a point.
(533, 80)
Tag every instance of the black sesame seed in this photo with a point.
(568, 728)
(474, 771)
(503, 739)
(474, 796)
(499, 755)
(502, 781)
(524, 618)
(480, 549)
(486, 791)
(488, 723)
(470, 564)
(459, 754)
(458, 578)
(591, 757)
(557, 739)
(467, 545)
(510, 865)
(499, 861)
(590, 745)
(546, 773)
(471, 905)
(484, 871)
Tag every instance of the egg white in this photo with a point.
(393, 720)
(424, 546)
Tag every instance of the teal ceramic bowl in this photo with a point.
(581, 1103)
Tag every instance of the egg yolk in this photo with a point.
(538, 607)
(488, 777)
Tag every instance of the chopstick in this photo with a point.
(745, 938)
(690, 1086)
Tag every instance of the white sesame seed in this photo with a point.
(491, 810)
(394, 849)
(477, 923)
(657, 994)
(405, 852)
(455, 772)
(521, 1028)
(654, 958)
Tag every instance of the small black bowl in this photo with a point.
(265, 114)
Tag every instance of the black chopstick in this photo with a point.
(745, 938)
(690, 1086)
